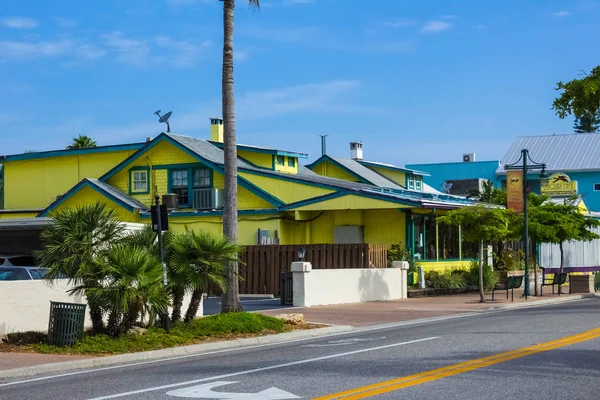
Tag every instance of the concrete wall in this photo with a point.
(341, 286)
(25, 305)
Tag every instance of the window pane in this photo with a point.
(291, 162)
(448, 242)
(139, 176)
(182, 196)
(411, 182)
(280, 160)
(179, 178)
(419, 244)
(202, 178)
(430, 253)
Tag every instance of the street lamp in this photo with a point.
(301, 252)
(524, 166)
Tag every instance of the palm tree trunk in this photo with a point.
(96, 317)
(178, 295)
(194, 305)
(112, 326)
(231, 297)
(481, 289)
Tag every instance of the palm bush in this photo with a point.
(73, 245)
(200, 258)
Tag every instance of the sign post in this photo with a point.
(512, 172)
(160, 223)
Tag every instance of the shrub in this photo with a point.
(25, 338)
(490, 277)
(445, 280)
(397, 252)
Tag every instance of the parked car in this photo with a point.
(14, 273)
(20, 260)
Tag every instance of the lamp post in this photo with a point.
(159, 228)
(525, 166)
(301, 252)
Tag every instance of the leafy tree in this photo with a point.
(588, 123)
(560, 223)
(488, 194)
(480, 224)
(231, 296)
(580, 97)
(201, 258)
(82, 142)
(131, 288)
(73, 246)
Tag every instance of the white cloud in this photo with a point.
(19, 50)
(562, 14)
(130, 51)
(436, 27)
(64, 22)
(401, 23)
(184, 54)
(19, 23)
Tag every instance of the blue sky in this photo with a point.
(416, 81)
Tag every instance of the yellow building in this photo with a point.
(333, 200)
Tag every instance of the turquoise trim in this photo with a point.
(131, 173)
(325, 157)
(253, 149)
(72, 152)
(78, 187)
(2, 188)
(185, 214)
(342, 193)
(393, 168)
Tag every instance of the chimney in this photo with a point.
(148, 139)
(356, 152)
(323, 144)
(216, 130)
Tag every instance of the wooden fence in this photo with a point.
(261, 265)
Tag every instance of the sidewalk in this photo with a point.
(385, 312)
(357, 315)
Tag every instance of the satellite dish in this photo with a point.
(164, 119)
(446, 186)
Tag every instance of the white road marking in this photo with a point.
(205, 392)
(344, 342)
(250, 371)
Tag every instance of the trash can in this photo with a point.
(65, 326)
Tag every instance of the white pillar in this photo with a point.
(299, 270)
(403, 265)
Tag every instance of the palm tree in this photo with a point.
(147, 238)
(201, 258)
(73, 246)
(82, 142)
(132, 287)
(231, 296)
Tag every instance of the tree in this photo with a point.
(580, 97)
(480, 224)
(488, 194)
(131, 288)
(560, 223)
(588, 123)
(231, 296)
(73, 243)
(82, 142)
(201, 258)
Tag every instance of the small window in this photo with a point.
(202, 178)
(139, 181)
(596, 187)
(419, 183)
(179, 186)
(281, 160)
(291, 162)
(411, 182)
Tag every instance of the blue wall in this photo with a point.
(457, 170)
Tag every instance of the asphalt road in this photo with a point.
(568, 369)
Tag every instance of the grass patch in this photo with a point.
(220, 326)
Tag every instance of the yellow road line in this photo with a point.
(428, 376)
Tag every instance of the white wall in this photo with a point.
(577, 254)
(25, 305)
(314, 287)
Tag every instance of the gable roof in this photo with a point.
(564, 153)
(392, 167)
(71, 152)
(365, 173)
(128, 202)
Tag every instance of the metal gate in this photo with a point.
(286, 288)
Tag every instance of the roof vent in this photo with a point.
(356, 150)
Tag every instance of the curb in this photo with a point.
(173, 352)
(539, 303)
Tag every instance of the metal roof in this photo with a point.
(564, 153)
(392, 166)
(365, 173)
(113, 191)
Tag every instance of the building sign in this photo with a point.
(514, 190)
(559, 184)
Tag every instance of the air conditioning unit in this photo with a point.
(208, 199)
(170, 200)
(469, 157)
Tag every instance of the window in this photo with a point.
(596, 187)
(291, 162)
(434, 241)
(410, 180)
(184, 181)
(139, 181)
(179, 186)
(281, 160)
(202, 178)
(418, 183)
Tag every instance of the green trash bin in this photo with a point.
(66, 323)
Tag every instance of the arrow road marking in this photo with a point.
(344, 342)
(205, 392)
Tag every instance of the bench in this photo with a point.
(566, 272)
(559, 278)
(511, 283)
